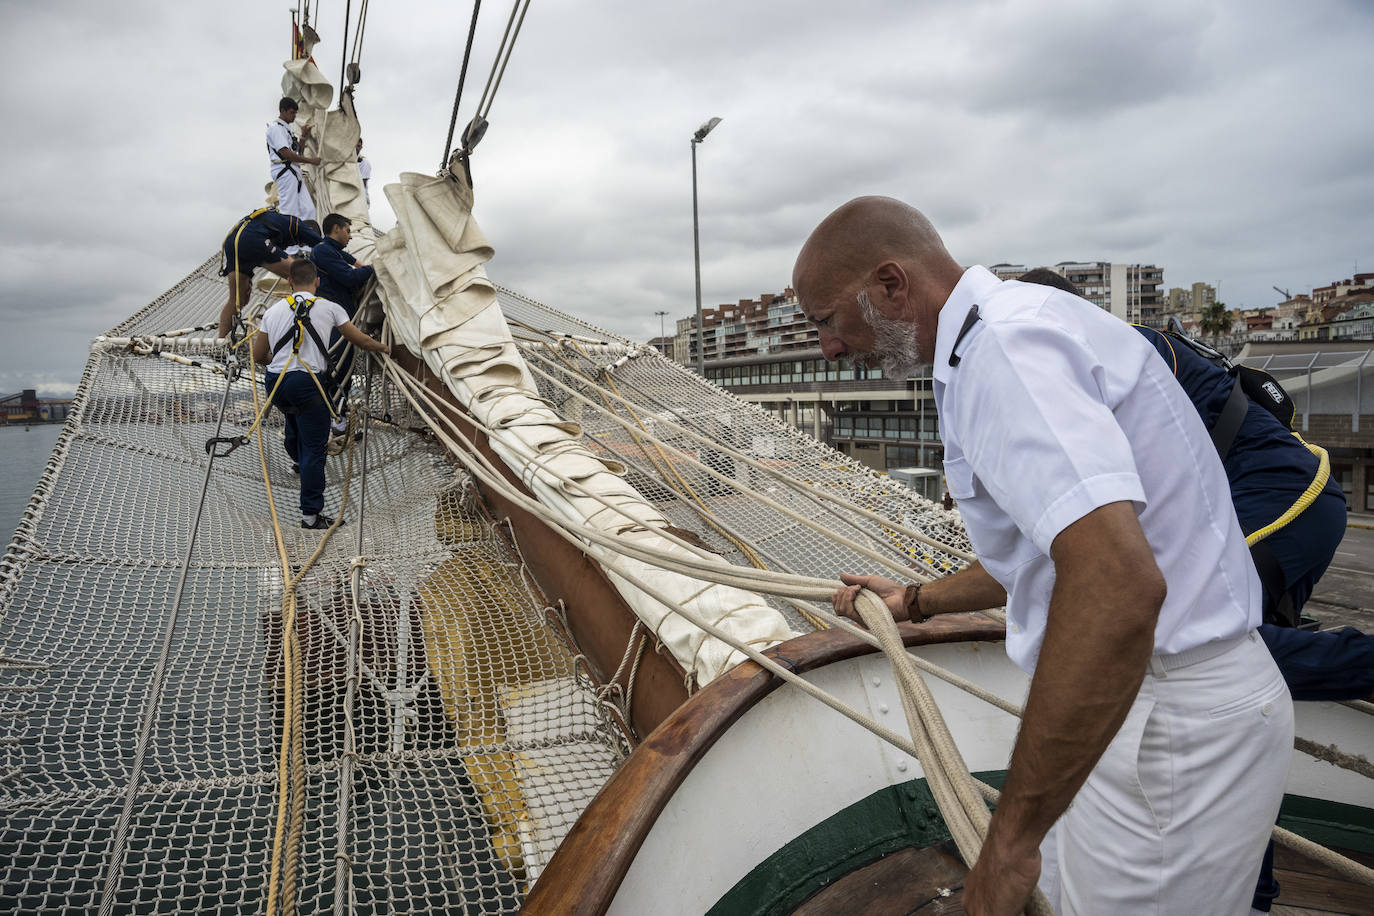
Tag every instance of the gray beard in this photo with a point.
(895, 344)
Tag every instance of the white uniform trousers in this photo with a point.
(1175, 816)
(293, 196)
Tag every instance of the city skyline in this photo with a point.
(1167, 134)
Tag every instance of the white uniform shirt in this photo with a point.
(365, 170)
(279, 136)
(280, 321)
(1058, 408)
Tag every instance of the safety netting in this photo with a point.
(447, 740)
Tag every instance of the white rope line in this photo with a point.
(721, 447)
(712, 568)
(886, 562)
(805, 486)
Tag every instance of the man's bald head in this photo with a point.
(862, 234)
(873, 277)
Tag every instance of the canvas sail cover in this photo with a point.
(441, 304)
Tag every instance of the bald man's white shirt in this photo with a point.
(1058, 408)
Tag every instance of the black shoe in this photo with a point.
(295, 469)
(321, 522)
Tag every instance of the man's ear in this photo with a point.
(891, 290)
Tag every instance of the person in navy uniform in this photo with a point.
(285, 159)
(258, 240)
(340, 281)
(292, 354)
(1268, 468)
(340, 276)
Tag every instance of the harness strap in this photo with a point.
(1228, 422)
(301, 308)
(286, 167)
(1278, 602)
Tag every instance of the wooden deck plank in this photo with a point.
(1309, 888)
(910, 882)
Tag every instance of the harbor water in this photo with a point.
(24, 452)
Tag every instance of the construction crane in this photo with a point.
(1284, 293)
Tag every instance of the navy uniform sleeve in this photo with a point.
(1162, 344)
(335, 265)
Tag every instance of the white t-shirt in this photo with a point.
(280, 321)
(365, 170)
(279, 136)
(1058, 408)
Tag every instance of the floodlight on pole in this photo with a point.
(697, 137)
(660, 315)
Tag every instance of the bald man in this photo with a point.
(1101, 517)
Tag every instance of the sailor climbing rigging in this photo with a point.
(257, 240)
(285, 158)
(291, 343)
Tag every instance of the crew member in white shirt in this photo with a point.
(365, 171)
(1101, 517)
(295, 377)
(285, 159)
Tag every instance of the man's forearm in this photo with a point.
(970, 589)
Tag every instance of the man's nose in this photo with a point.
(831, 346)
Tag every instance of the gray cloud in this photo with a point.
(1227, 144)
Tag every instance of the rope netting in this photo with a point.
(475, 741)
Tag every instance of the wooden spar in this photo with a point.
(585, 873)
(600, 620)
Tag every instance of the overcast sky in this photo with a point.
(1229, 143)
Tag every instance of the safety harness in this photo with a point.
(1255, 386)
(287, 167)
(300, 307)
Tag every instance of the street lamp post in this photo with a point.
(660, 328)
(697, 137)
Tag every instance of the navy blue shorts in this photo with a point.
(249, 249)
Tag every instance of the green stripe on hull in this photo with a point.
(1329, 823)
(890, 819)
(896, 817)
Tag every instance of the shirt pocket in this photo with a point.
(998, 543)
(959, 478)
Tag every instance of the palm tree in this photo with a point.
(1215, 320)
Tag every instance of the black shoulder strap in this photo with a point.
(301, 308)
(969, 321)
(1228, 421)
(1278, 603)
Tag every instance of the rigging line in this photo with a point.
(805, 492)
(462, 76)
(358, 32)
(499, 51)
(709, 567)
(343, 875)
(343, 52)
(796, 483)
(483, 112)
(119, 848)
(833, 535)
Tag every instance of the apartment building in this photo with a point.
(1189, 304)
(1132, 292)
